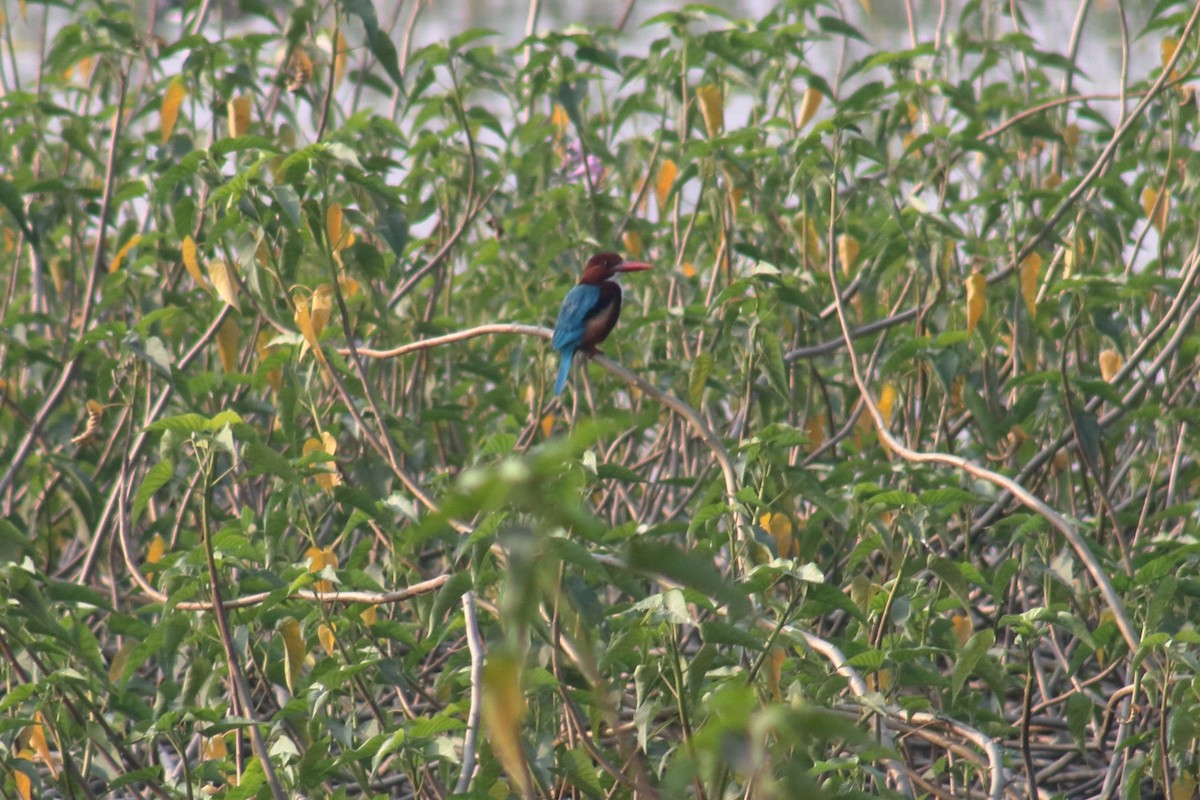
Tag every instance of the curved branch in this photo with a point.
(68, 372)
(1191, 272)
(475, 646)
(451, 338)
(1032, 243)
(1027, 498)
(689, 414)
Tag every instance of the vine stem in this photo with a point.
(241, 688)
(1027, 498)
(68, 373)
(685, 411)
(475, 646)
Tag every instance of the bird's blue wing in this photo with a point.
(572, 317)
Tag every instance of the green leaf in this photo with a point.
(701, 368)
(393, 228)
(689, 569)
(975, 649)
(840, 27)
(10, 198)
(772, 359)
(264, 460)
(179, 172)
(577, 765)
(378, 41)
(618, 472)
(157, 477)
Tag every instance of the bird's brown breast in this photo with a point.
(600, 323)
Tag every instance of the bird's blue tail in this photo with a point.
(564, 370)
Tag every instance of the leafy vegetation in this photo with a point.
(886, 486)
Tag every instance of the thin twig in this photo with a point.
(1035, 504)
(56, 394)
(475, 646)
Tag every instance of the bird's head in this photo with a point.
(604, 266)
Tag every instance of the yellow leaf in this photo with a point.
(887, 401)
(132, 243)
(1110, 364)
(866, 4)
(688, 269)
(1184, 785)
(815, 428)
(663, 183)
(879, 681)
(633, 244)
(1075, 254)
(238, 109)
(976, 299)
(962, 628)
(1167, 48)
(117, 668)
(264, 348)
(321, 307)
(808, 106)
(712, 108)
(227, 344)
(503, 711)
(83, 67)
(547, 425)
(735, 199)
(1070, 134)
(329, 477)
(293, 645)
(340, 54)
(37, 741)
(1156, 206)
(333, 225)
(169, 112)
(157, 549)
(847, 249)
(369, 616)
(1031, 269)
(319, 557)
(325, 635)
(215, 748)
(304, 323)
(350, 287)
(775, 670)
(224, 280)
(560, 121)
(810, 240)
(23, 782)
(780, 528)
(189, 261)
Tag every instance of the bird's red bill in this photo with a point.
(632, 266)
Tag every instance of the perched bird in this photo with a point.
(590, 310)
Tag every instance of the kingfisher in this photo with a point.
(590, 310)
